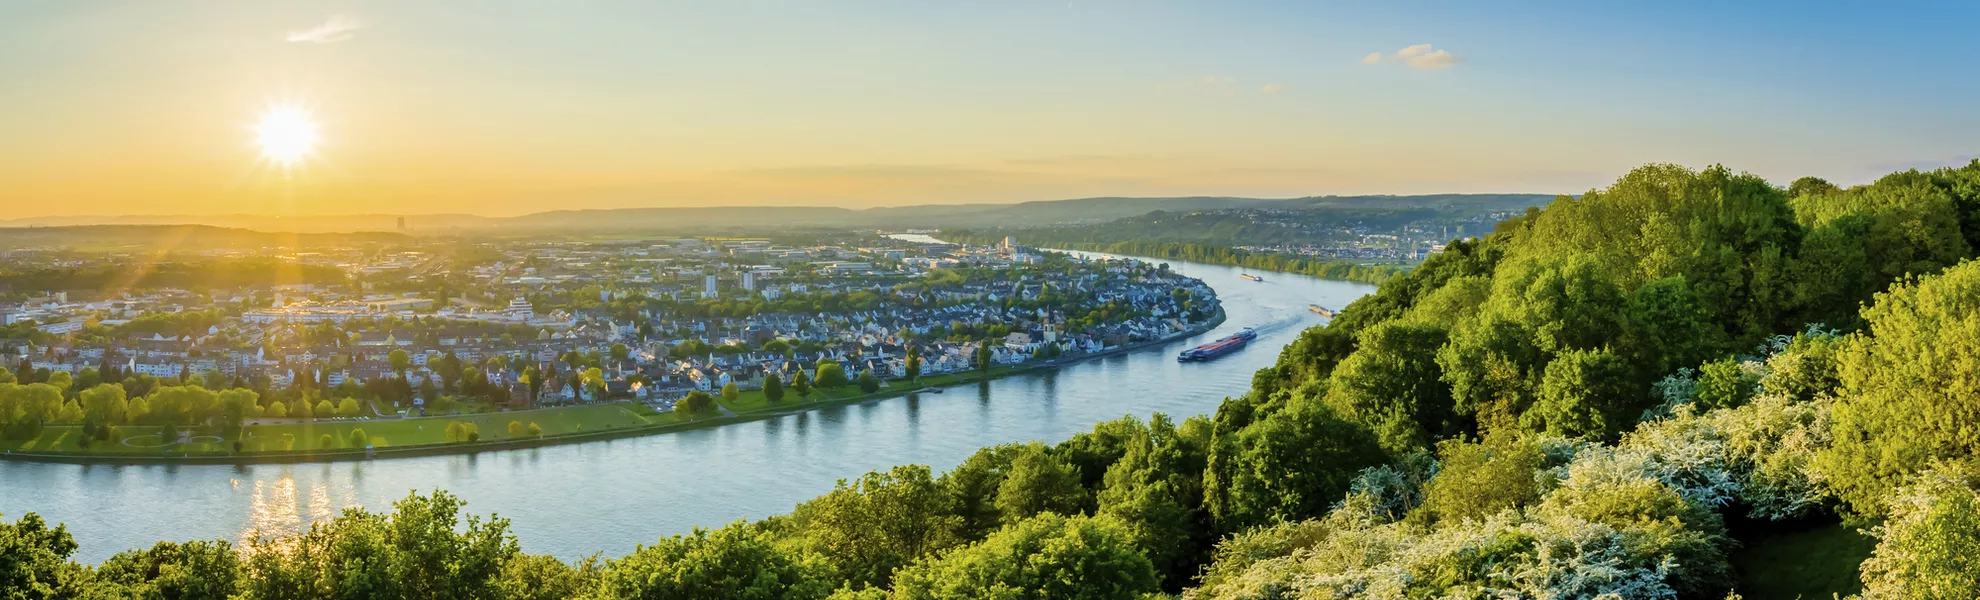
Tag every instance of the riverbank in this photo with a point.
(568, 424)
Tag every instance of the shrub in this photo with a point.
(325, 441)
(535, 430)
(1926, 547)
(359, 439)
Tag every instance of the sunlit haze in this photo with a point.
(286, 135)
(504, 108)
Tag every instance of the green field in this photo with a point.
(753, 400)
(141, 440)
(157, 441)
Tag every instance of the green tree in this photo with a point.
(535, 430)
(1292, 464)
(422, 549)
(594, 383)
(1585, 394)
(197, 569)
(619, 352)
(359, 439)
(400, 361)
(1048, 556)
(238, 404)
(1908, 398)
(1477, 480)
(867, 382)
(1038, 482)
(831, 375)
(696, 403)
(773, 388)
(348, 408)
(801, 384)
(1155, 493)
(515, 429)
(730, 392)
(867, 528)
(1723, 384)
(973, 485)
(1393, 385)
(731, 562)
(104, 404)
(1928, 542)
(914, 363)
(34, 560)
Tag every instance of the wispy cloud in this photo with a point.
(1420, 56)
(337, 29)
(1272, 88)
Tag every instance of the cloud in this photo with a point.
(1435, 60)
(337, 29)
(1215, 80)
(1272, 88)
(1420, 56)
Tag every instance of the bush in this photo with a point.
(325, 441)
(1475, 480)
(359, 439)
(1725, 384)
(1909, 395)
(515, 428)
(1047, 556)
(1926, 547)
(535, 430)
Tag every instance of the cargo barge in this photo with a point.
(1251, 277)
(1321, 310)
(1227, 345)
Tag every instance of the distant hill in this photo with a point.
(689, 221)
(138, 238)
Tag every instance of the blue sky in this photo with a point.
(508, 107)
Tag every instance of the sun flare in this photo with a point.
(286, 134)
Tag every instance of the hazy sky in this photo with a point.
(512, 107)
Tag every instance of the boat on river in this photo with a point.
(1251, 277)
(1226, 345)
(1321, 310)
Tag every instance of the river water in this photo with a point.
(575, 500)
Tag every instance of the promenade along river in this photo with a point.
(574, 500)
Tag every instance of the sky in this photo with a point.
(502, 108)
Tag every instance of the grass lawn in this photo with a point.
(753, 400)
(153, 440)
(257, 436)
(1810, 564)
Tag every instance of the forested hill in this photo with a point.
(1300, 221)
(1688, 384)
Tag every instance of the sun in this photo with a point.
(286, 134)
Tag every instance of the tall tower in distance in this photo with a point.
(402, 223)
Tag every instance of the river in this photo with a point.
(575, 500)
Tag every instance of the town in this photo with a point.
(473, 327)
